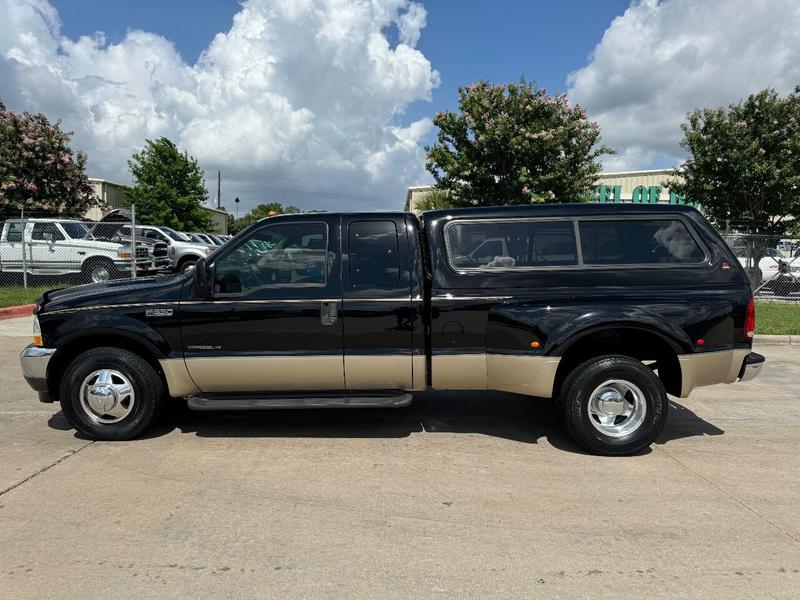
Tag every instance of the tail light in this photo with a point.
(750, 320)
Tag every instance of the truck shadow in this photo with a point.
(507, 416)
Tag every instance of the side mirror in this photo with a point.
(48, 237)
(203, 279)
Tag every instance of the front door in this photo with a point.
(274, 322)
(377, 304)
(48, 250)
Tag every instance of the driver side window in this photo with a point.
(284, 254)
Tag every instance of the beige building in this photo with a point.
(112, 195)
(643, 187)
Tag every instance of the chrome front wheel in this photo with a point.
(107, 396)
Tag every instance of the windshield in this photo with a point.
(175, 235)
(76, 231)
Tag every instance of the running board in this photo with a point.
(201, 403)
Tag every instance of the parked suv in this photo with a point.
(605, 308)
(65, 247)
(183, 252)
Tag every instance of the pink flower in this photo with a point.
(762, 151)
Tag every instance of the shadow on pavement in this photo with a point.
(507, 416)
(683, 423)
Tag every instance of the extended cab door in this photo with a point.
(11, 246)
(274, 321)
(377, 304)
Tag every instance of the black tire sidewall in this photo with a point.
(186, 264)
(589, 376)
(141, 375)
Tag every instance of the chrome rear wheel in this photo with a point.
(617, 408)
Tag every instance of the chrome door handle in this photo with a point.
(329, 313)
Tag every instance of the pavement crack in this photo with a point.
(741, 503)
(45, 468)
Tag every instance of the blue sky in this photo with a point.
(328, 103)
(465, 40)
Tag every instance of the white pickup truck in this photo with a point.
(64, 247)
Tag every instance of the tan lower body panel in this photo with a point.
(419, 366)
(266, 373)
(709, 368)
(383, 372)
(458, 371)
(179, 383)
(531, 375)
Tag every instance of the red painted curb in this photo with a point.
(11, 312)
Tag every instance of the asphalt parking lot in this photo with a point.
(458, 496)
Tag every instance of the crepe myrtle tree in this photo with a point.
(744, 168)
(39, 172)
(514, 144)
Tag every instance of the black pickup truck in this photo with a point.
(604, 308)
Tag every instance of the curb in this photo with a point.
(12, 312)
(776, 340)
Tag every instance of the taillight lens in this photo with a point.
(750, 320)
(37, 332)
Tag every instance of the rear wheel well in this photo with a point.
(643, 345)
(73, 349)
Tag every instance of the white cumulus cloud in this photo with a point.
(300, 101)
(662, 59)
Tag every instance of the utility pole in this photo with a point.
(237, 207)
(219, 189)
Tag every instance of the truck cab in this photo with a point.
(606, 310)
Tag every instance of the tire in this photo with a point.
(99, 270)
(186, 264)
(130, 414)
(608, 384)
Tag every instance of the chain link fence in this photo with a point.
(39, 250)
(772, 264)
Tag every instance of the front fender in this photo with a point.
(99, 324)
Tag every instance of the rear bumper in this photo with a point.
(751, 366)
(34, 361)
(721, 366)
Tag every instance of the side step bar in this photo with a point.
(209, 403)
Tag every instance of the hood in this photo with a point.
(125, 291)
(201, 249)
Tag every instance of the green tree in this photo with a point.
(514, 144)
(744, 163)
(434, 200)
(259, 212)
(168, 187)
(38, 169)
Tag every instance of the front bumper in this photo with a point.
(34, 361)
(751, 366)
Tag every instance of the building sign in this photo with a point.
(641, 195)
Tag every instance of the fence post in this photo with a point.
(22, 243)
(133, 241)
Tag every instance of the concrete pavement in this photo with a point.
(459, 495)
